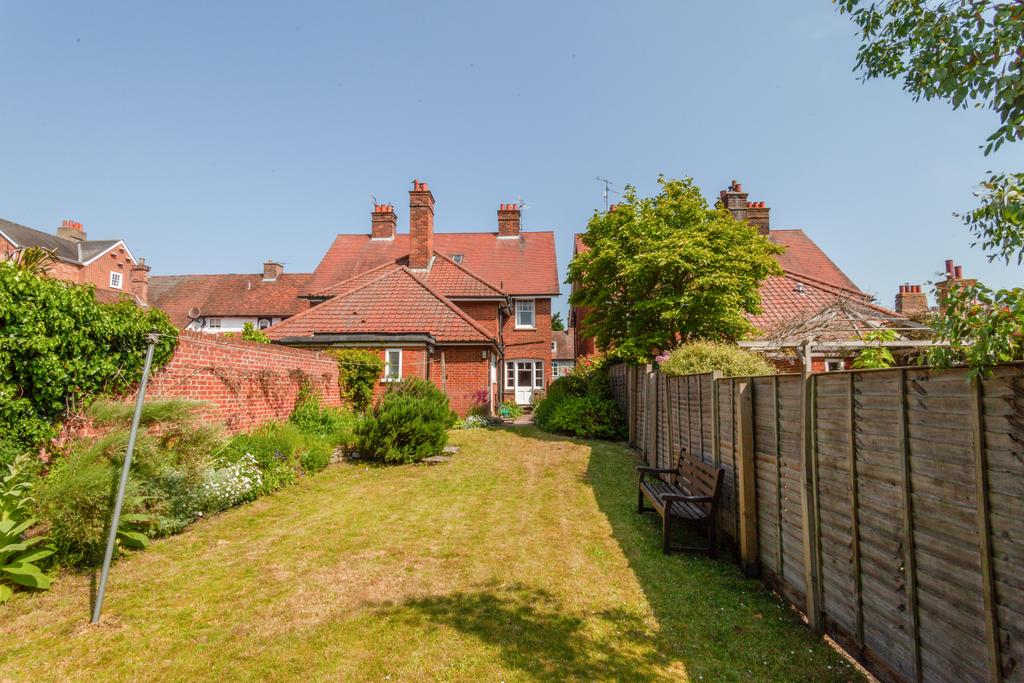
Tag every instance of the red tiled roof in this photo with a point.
(522, 265)
(792, 296)
(226, 295)
(445, 275)
(803, 256)
(395, 302)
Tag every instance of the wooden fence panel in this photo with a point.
(839, 578)
(918, 483)
(1002, 408)
(767, 474)
(790, 388)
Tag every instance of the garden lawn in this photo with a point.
(522, 559)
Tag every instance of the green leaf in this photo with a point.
(133, 539)
(5, 593)
(27, 575)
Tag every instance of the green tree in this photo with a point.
(251, 333)
(967, 53)
(557, 324)
(669, 268)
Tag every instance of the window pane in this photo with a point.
(524, 313)
(393, 364)
(538, 375)
(510, 374)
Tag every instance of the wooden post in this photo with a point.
(689, 420)
(747, 487)
(716, 451)
(858, 600)
(651, 442)
(631, 403)
(668, 421)
(985, 531)
(809, 500)
(910, 572)
(778, 479)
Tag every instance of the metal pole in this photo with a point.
(119, 501)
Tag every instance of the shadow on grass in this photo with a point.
(536, 634)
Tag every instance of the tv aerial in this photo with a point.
(607, 188)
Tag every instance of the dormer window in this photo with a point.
(115, 280)
(457, 258)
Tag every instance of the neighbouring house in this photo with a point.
(563, 353)
(912, 301)
(469, 311)
(813, 299)
(224, 303)
(107, 264)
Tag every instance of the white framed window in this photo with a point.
(554, 346)
(213, 323)
(510, 374)
(525, 313)
(115, 279)
(263, 323)
(538, 374)
(554, 369)
(833, 365)
(392, 365)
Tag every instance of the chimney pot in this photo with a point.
(71, 230)
(958, 272)
(383, 222)
(509, 220)
(949, 266)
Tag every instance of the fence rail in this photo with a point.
(889, 505)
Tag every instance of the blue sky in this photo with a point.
(211, 137)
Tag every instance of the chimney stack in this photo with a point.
(911, 300)
(272, 270)
(954, 276)
(509, 220)
(754, 213)
(383, 222)
(71, 230)
(421, 226)
(140, 281)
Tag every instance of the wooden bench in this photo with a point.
(674, 499)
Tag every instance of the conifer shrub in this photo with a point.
(409, 422)
(581, 403)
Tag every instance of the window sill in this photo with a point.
(525, 327)
(386, 380)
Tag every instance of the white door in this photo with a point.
(523, 376)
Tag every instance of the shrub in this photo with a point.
(580, 403)
(59, 347)
(75, 498)
(358, 373)
(316, 456)
(409, 423)
(336, 426)
(701, 357)
(251, 333)
(586, 416)
(276, 447)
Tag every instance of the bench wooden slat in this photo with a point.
(690, 480)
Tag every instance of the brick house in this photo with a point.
(470, 311)
(215, 304)
(563, 353)
(107, 264)
(813, 298)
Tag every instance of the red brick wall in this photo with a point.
(98, 272)
(484, 312)
(534, 344)
(244, 383)
(467, 373)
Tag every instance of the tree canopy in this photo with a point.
(667, 269)
(557, 324)
(968, 53)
